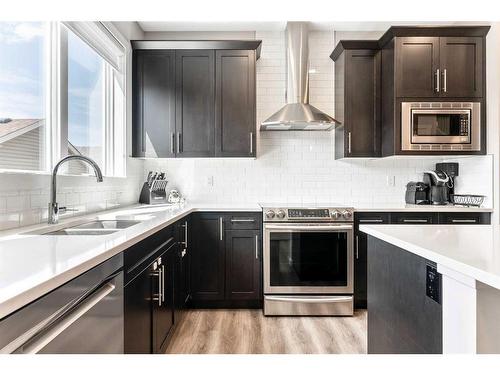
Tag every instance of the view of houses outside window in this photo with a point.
(23, 86)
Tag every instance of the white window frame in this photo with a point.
(56, 101)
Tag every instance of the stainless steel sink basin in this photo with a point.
(76, 232)
(107, 224)
(92, 228)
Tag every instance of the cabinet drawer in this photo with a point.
(414, 218)
(371, 218)
(464, 218)
(243, 220)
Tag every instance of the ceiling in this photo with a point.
(151, 26)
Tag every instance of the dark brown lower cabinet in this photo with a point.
(207, 257)
(149, 293)
(243, 264)
(402, 319)
(226, 268)
(404, 218)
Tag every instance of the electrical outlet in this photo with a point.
(210, 181)
(391, 180)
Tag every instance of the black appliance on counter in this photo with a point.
(417, 193)
(153, 190)
(441, 182)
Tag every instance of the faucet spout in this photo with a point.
(53, 216)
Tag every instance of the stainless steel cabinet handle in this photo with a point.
(256, 246)
(178, 143)
(160, 285)
(163, 283)
(37, 345)
(349, 142)
(464, 221)
(251, 143)
(415, 221)
(185, 234)
(444, 80)
(221, 229)
(371, 220)
(172, 143)
(437, 80)
(357, 247)
(242, 220)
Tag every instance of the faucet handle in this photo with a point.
(65, 209)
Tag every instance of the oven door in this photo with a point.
(308, 258)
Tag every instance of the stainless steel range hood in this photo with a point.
(298, 114)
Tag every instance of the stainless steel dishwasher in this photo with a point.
(84, 315)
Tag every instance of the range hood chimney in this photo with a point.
(298, 114)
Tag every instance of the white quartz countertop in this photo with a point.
(472, 250)
(32, 265)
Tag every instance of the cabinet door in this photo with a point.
(137, 317)
(195, 91)
(235, 103)
(417, 62)
(163, 288)
(154, 103)
(243, 264)
(362, 98)
(461, 66)
(207, 257)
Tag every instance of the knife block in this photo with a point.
(154, 194)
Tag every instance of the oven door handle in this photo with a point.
(331, 228)
(310, 300)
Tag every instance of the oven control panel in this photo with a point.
(308, 214)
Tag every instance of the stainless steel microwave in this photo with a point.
(441, 126)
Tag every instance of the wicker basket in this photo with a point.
(467, 200)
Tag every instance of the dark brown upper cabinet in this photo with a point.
(407, 64)
(195, 103)
(430, 67)
(153, 103)
(417, 66)
(235, 103)
(462, 66)
(194, 98)
(357, 98)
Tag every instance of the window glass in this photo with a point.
(86, 107)
(23, 85)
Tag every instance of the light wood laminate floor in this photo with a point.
(250, 332)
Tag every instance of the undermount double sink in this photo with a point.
(93, 228)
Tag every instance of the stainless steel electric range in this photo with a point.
(308, 260)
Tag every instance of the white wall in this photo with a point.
(298, 167)
(24, 197)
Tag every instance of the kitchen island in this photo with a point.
(461, 299)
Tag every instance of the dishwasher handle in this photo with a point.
(60, 326)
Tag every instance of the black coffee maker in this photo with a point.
(441, 182)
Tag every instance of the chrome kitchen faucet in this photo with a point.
(53, 217)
